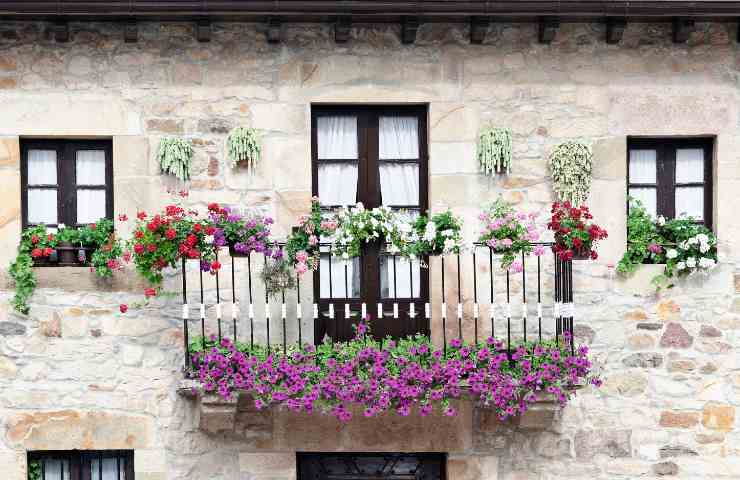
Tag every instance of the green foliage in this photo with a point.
(68, 235)
(685, 246)
(570, 165)
(175, 155)
(494, 150)
(243, 145)
(507, 232)
(34, 470)
(438, 235)
(21, 271)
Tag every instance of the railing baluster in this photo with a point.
(251, 302)
(572, 309)
(492, 307)
(299, 308)
(218, 301)
(475, 295)
(202, 310)
(508, 313)
(234, 307)
(539, 300)
(459, 300)
(556, 309)
(395, 278)
(444, 309)
(283, 314)
(524, 300)
(185, 315)
(267, 309)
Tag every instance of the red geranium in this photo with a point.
(141, 215)
(48, 251)
(123, 308)
(574, 234)
(37, 252)
(139, 234)
(170, 233)
(34, 239)
(216, 265)
(139, 248)
(151, 248)
(150, 292)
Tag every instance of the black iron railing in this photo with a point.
(485, 297)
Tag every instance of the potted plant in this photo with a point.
(509, 233)
(67, 238)
(41, 245)
(242, 235)
(438, 235)
(576, 235)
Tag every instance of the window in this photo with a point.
(372, 466)
(376, 155)
(672, 176)
(83, 465)
(66, 181)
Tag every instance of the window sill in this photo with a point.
(81, 279)
(639, 283)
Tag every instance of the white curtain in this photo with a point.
(690, 202)
(56, 469)
(42, 167)
(337, 138)
(339, 283)
(399, 138)
(90, 205)
(642, 166)
(42, 205)
(648, 197)
(90, 167)
(338, 183)
(689, 165)
(399, 183)
(395, 279)
(109, 470)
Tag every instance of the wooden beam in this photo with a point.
(274, 30)
(342, 27)
(61, 32)
(203, 31)
(131, 32)
(479, 29)
(409, 27)
(682, 29)
(548, 27)
(615, 29)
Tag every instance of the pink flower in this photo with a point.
(301, 268)
(313, 240)
(655, 248)
(539, 250)
(491, 243)
(506, 242)
(516, 266)
(301, 256)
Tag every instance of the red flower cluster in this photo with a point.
(575, 234)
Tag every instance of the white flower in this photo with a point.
(430, 232)
(448, 233)
(706, 262)
(449, 244)
(671, 253)
(691, 262)
(209, 239)
(61, 226)
(702, 237)
(684, 246)
(345, 255)
(692, 241)
(661, 220)
(704, 247)
(680, 265)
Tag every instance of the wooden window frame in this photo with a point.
(67, 176)
(665, 174)
(80, 461)
(369, 192)
(308, 464)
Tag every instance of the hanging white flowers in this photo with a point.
(243, 146)
(175, 155)
(570, 165)
(494, 150)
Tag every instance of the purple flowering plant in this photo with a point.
(245, 235)
(405, 375)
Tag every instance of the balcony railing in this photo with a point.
(467, 296)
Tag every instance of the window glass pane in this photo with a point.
(399, 138)
(42, 205)
(399, 184)
(55, 469)
(689, 165)
(109, 469)
(90, 167)
(337, 138)
(642, 166)
(42, 167)
(648, 197)
(690, 202)
(340, 283)
(398, 276)
(338, 183)
(90, 205)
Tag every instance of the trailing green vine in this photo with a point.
(34, 470)
(243, 146)
(175, 156)
(494, 150)
(570, 165)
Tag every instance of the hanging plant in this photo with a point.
(243, 146)
(570, 165)
(175, 155)
(494, 150)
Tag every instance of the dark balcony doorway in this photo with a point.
(371, 466)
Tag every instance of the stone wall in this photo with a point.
(76, 374)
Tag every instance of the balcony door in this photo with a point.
(376, 155)
(371, 466)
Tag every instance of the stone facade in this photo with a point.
(76, 374)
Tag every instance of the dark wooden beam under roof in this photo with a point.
(409, 27)
(368, 9)
(342, 27)
(274, 30)
(615, 29)
(547, 28)
(478, 29)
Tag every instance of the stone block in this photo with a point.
(82, 430)
(131, 355)
(472, 467)
(13, 465)
(628, 384)
(8, 368)
(274, 464)
(720, 417)
(675, 336)
(217, 415)
(610, 158)
(10, 152)
(150, 460)
(678, 419)
(643, 360)
(613, 443)
(453, 122)
(448, 158)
